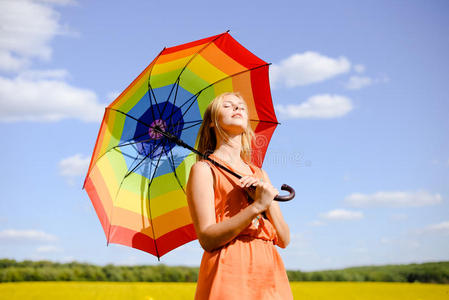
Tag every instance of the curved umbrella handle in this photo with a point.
(290, 196)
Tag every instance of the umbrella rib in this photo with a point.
(186, 122)
(133, 143)
(149, 85)
(143, 159)
(128, 142)
(151, 102)
(254, 120)
(149, 204)
(129, 116)
(192, 58)
(155, 100)
(191, 126)
(174, 102)
(169, 95)
(198, 122)
(172, 165)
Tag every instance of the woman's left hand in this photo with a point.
(247, 182)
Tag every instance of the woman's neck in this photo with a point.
(229, 150)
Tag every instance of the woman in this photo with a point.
(238, 233)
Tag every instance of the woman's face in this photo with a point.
(233, 115)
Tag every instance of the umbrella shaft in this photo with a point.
(181, 143)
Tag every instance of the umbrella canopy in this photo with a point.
(136, 176)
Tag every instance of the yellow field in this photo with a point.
(156, 291)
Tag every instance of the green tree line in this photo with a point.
(27, 270)
(436, 272)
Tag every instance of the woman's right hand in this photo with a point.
(263, 194)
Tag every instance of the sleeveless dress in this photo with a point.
(248, 267)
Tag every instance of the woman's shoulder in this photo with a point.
(201, 173)
(201, 166)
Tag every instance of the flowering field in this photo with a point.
(164, 290)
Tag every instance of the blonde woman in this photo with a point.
(238, 233)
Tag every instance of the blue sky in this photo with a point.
(359, 88)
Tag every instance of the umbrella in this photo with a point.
(143, 154)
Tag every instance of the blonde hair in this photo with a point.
(207, 141)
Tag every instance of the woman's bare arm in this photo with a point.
(275, 215)
(200, 197)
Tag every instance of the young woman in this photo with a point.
(237, 227)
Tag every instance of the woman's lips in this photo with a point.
(237, 115)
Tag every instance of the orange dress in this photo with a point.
(248, 267)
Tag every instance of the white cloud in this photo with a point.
(318, 106)
(9, 62)
(26, 235)
(442, 227)
(73, 167)
(358, 82)
(27, 27)
(56, 74)
(342, 214)
(48, 249)
(359, 68)
(306, 68)
(47, 100)
(393, 199)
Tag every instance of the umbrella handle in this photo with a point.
(290, 196)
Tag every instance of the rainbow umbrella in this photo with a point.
(136, 176)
